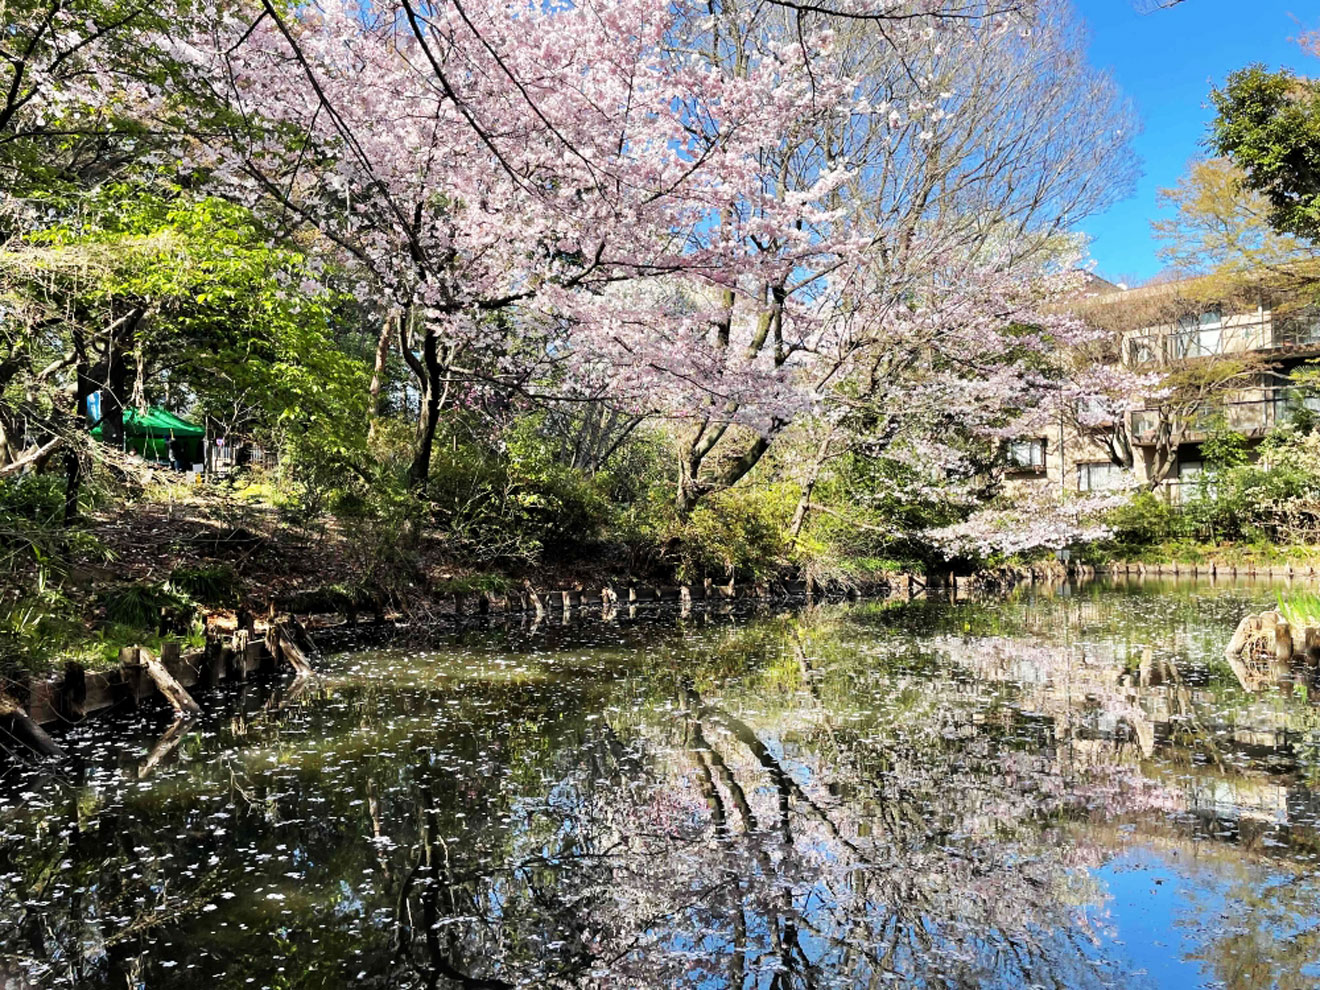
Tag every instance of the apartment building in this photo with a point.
(1171, 328)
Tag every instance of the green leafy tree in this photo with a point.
(1268, 125)
(151, 296)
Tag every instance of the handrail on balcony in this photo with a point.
(1163, 346)
(1243, 415)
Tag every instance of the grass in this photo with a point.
(141, 605)
(1299, 608)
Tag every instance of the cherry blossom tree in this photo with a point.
(718, 215)
(484, 166)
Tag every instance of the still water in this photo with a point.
(1064, 788)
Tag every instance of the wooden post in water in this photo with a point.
(535, 599)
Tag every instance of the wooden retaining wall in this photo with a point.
(242, 653)
(1218, 569)
(76, 693)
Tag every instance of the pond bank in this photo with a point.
(240, 647)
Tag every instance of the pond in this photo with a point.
(1063, 788)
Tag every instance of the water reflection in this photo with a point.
(976, 795)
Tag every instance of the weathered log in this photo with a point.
(283, 644)
(26, 732)
(175, 693)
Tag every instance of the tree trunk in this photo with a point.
(376, 404)
(430, 371)
(84, 386)
(690, 490)
(1165, 458)
(113, 390)
(8, 454)
(111, 377)
(419, 473)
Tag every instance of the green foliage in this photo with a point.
(1145, 520)
(215, 289)
(34, 498)
(32, 533)
(469, 584)
(208, 584)
(141, 605)
(511, 499)
(1270, 504)
(1223, 448)
(25, 623)
(1268, 124)
(737, 533)
(1299, 608)
(380, 524)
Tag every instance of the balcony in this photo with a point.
(1250, 417)
(1214, 339)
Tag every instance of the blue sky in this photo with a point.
(1166, 63)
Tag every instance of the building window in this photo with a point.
(1199, 336)
(1143, 350)
(1026, 455)
(1098, 476)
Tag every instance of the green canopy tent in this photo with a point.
(148, 433)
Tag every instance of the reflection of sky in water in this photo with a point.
(1067, 791)
(1168, 916)
(1153, 931)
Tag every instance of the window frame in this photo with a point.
(1086, 469)
(1033, 445)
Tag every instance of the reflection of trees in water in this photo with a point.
(798, 804)
(735, 861)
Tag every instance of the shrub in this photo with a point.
(210, 584)
(733, 533)
(37, 498)
(142, 605)
(511, 499)
(1146, 519)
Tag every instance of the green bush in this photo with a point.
(738, 533)
(37, 498)
(209, 584)
(1264, 504)
(141, 605)
(1145, 520)
(511, 500)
